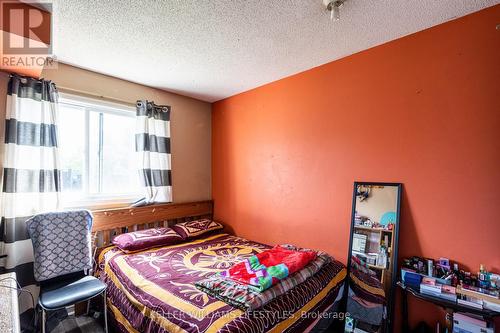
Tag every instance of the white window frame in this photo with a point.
(91, 104)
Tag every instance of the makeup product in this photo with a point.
(430, 267)
(420, 266)
(454, 279)
(444, 262)
(493, 281)
(467, 278)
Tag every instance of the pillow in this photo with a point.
(146, 239)
(195, 228)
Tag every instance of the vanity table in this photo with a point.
(449, 306)
(9, 310)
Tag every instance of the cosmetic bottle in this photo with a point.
(430, 267)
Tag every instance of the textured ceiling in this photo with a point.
(212, 49)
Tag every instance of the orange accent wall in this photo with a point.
(423, 110)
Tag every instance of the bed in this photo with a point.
(153, 290)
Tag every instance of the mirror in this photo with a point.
(372, 257)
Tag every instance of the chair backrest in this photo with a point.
(61, 243)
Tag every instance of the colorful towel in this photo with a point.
(248, 298)
(268, 267)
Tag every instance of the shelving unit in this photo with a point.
(385, 272)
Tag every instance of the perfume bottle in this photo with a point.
(483, 276)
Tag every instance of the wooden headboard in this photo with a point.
(111, 222)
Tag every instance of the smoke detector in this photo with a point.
(333, 6)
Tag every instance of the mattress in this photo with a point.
(153, 290)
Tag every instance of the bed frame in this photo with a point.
(111, 222)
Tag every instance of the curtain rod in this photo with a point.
(88, 94)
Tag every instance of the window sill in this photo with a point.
(100, 204)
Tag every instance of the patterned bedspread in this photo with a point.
(154, 291)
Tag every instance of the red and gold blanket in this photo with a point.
(154, 290)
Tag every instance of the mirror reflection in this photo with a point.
(372, 254)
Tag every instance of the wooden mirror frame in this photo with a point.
(389, 322)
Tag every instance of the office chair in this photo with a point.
(63, 260)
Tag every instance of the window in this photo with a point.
(97, 149)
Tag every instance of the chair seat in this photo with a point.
(60, 295)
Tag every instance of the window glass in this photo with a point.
(72, 148)
(97, 149)
(119, 163)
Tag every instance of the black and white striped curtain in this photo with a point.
(31, 181)
(152, 144)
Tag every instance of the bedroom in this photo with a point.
(280, 121)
